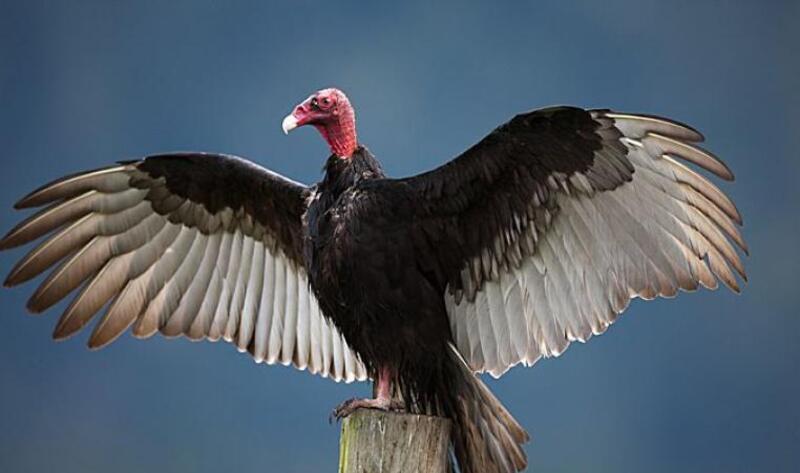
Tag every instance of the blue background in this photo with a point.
(704, 383)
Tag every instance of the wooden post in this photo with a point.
(387, 442)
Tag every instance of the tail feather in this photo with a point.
(486, 438)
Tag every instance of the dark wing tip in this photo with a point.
(65, 187)
(33, 307)
(62, 331)
(10, 281)
(725, 172)
(97, 344)
(698, 136)
(6, 243)
(643, 122)
(29, 200)
(32, 199)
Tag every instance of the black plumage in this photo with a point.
(218, 181)
(536, 236)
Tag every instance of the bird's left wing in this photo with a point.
(202, 245)
(543, 231)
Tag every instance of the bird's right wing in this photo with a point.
(542, 232)
(202, 245)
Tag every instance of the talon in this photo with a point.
(383, 400)
(343, 410)
(351, 405)
(397, 406)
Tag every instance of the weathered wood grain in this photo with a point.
(385, 442)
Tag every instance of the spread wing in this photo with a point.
(542, 232)
(206, 246)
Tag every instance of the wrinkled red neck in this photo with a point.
(340, 133)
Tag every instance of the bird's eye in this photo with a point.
(314, 102)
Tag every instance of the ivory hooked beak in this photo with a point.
(289, 123)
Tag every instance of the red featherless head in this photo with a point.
(330, 112)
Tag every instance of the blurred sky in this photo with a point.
(705, 383)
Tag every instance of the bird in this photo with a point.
(537, 236)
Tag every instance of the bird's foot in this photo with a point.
(351, 405)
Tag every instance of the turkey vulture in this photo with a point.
(536, 236)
